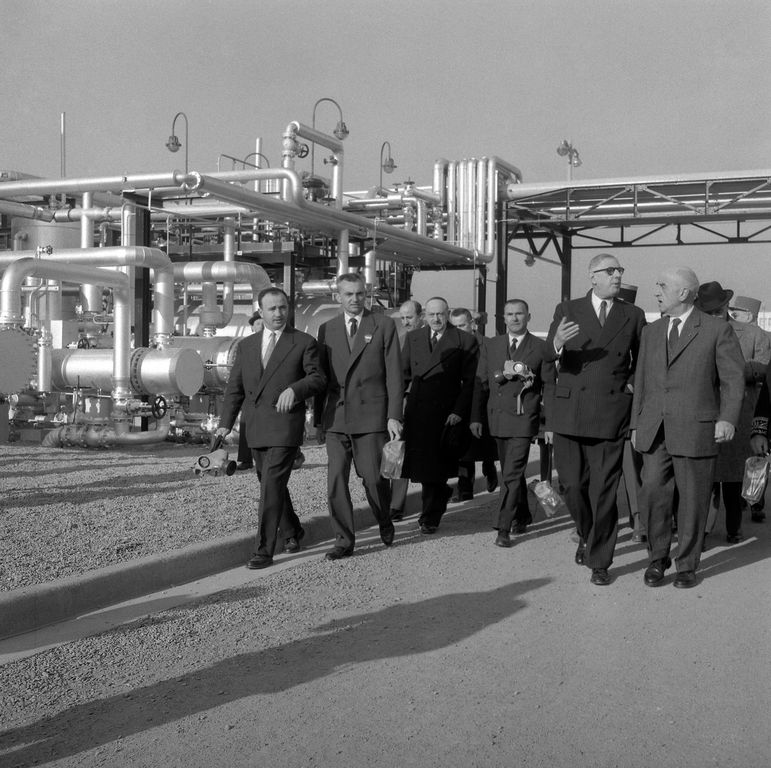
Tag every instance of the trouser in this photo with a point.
(513, 453)
(274, 466)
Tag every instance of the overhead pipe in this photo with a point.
(26, 211)
(323, 218)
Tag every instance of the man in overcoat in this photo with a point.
(510, 397)
(274, 372)
(440, 364)
(360, 410)
(594, 341)
(688, 396)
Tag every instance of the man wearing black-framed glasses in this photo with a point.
(594, 340)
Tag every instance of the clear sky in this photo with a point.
(641, 87)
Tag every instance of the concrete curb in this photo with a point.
(30, 608)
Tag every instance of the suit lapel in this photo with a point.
(283, 345)
(687, 335)
(366, 328)
(616, 319)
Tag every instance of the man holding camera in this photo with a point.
(509, 383)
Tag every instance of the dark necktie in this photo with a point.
(354, 326)
(513, 347)
(434, 340)
(674, 336)
(269, 349)
(603, 312)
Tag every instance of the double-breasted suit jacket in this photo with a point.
(365, 386)
(701, 383)
(294, 363)
(590, 398)
(441, 382)
(500, 399)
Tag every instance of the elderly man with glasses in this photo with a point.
(594, 341)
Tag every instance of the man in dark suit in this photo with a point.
(508, 388)
(361, 409)
(440, 364)
(594, 341)
(482, 448)
(687, 400)
(274, 372)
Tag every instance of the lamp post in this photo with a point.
(340, 132)
(173, 144)
(566, 149)
(388, 165)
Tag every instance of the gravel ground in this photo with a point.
(441, 652)
(66, 511)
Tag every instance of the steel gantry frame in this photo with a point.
(628, 213)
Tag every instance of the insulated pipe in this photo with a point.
(439, 186)
(481, 191)
(323, 218)
(452, 202)
(116, 184)
(10, 305)
(229, 257)
(90, 293)
(26, 211)
(137, 256)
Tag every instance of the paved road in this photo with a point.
(442, 651)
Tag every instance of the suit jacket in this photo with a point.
(294, 363)
(500, 399)
(590, 397)
(364, 384)
(701, 383)
(441, 382)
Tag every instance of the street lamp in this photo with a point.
(340, 132)
(566, 149)
(173, 144)
(388, 165)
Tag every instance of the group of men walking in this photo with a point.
(674, 387)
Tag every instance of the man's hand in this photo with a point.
(321, 435)
(452, 420)
(222, 432)
(286, 400)
(759, 445)
(394, 429)
(476, 429)
(724, 431)
(566, 330)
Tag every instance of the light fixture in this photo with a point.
(173, 144)
(388, 165)
(566, 149)
(340, 132)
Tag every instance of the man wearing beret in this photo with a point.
(687, 399)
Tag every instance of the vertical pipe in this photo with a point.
(228, 255)
(91, 294)
(481, 195)
(462, 193)
(128, 238)
(452, 203)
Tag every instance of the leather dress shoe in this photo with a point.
(654, 573)
(685, 579)
(600, 577)
(396, 515)
(299, 460)
(426, 528)
(492, 484)
(259, 561)
(338, 553)
(638, 537)
(387, 531)
(580, 553)
(459, 497)
(520, 527)
(292, 544)
(503, 539)
(734, 538)
(244, 465)
(757, 516)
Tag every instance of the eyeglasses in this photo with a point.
(609, 271)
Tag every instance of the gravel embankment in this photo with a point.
(66, 511)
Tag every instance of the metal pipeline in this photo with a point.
(26, 211)
(10, 305)
(93, 436)
(123, 256)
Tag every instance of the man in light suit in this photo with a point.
(510, 397)
(440, 365)
(594, 341)
(688, 396)
(274, 372)
(361, 409)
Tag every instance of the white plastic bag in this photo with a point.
(392, 460)
(755, 478)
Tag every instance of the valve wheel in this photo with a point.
(159, 407)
